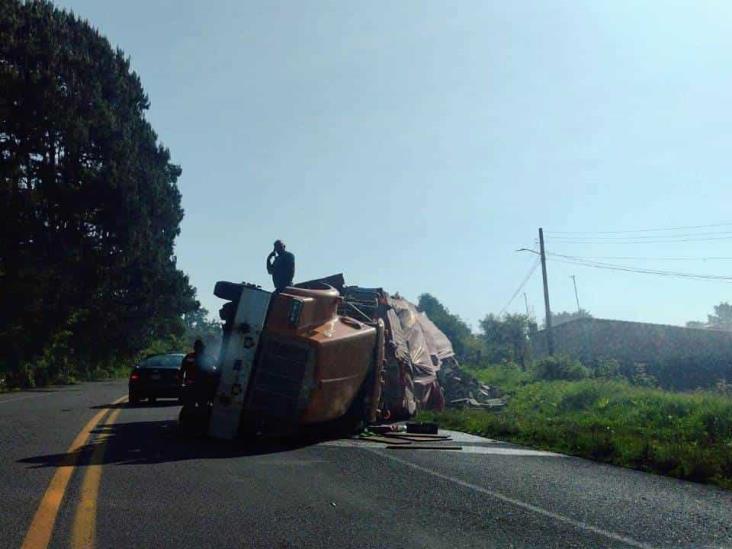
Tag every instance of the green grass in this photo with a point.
(508, 377)
(687, 436)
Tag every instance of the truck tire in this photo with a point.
(355, 419)
(193, 420)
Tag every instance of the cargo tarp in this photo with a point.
(415, 347)
(439, 345)
(426, 345)
(424, 365)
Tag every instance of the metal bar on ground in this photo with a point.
(423, 447)
(383, 440)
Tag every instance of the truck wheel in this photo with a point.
(354, 420)
(193, 421)
(185, 421)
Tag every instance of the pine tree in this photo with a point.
(89, 205)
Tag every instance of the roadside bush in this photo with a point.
(606, 368)
(558, 367)
(640, 376)
(171, 344)
(21, 377)
(685, 373)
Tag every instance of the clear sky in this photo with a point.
(415, 145)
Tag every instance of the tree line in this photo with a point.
(500, 339)
(89, 204)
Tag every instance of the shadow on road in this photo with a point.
(151, 442)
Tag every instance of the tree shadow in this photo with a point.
(153, 442)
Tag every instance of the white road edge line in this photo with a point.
(516, 502)
(23, 398)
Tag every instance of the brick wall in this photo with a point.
(667, 349)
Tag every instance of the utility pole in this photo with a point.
(576, 297)
(526, 302)
(548, 326)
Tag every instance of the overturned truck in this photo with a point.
(321, 355)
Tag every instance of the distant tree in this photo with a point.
(457, 331)
(199, 325)
(720, 320)
(696, 325)
(89, 206)
(566, 316)
(722, 317)
(506, 338)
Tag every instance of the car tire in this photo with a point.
(134, 399)
(152, 400)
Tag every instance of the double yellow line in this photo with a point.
(83, 533)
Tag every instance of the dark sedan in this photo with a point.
(156, 377)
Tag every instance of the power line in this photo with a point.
(631, 257)
(624, 268)
(658, 240)
(646, 237)
(655, 258)
(686, 227)
(534, 265)
(571, 260)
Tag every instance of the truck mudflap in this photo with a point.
(237, 361)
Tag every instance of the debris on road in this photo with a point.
(463, 390)
(418, 438)
(383, 440)
(422, 427)
(387, 429)
(424, 447)
(414, 441)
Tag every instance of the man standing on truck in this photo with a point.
(281, 265)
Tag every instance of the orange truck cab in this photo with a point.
(289, 360)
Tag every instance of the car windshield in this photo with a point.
(162, 361)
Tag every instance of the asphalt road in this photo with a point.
(137, 482)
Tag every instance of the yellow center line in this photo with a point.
(39, 533)
(85, 519)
